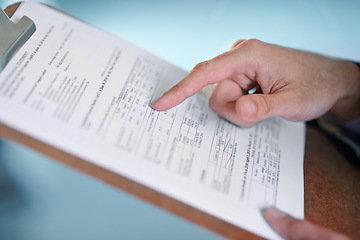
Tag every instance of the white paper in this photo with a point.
(87, 92)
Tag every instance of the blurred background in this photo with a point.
(43, 199)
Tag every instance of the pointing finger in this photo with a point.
(205, 73)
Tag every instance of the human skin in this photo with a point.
(294, 229)
(293, 84)
(296, 85)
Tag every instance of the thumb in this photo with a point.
(253, 108)
(291, 228)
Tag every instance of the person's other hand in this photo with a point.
(293, 229)
(293, 84)
(10, 10)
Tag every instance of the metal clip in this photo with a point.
(13, 36)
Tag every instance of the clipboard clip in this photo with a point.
(13, 36)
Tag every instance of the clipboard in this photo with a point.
(318, 151)
(24, 31)
(15, 37)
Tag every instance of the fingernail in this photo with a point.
(156, 100)
(153, 103)
(250, 107)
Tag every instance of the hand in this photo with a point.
(290, 228)
(293, 84)
(10, 10)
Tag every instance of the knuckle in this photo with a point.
(236, 43)
(202, 66)
(252, 43)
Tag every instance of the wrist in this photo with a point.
(357, 63)
(347, 107)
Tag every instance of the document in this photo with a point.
(87, 92)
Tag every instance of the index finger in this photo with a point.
(203, 74)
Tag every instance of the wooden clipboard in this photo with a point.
(332, 189)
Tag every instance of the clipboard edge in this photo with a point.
(145, 193)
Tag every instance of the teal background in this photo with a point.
(43, 199)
